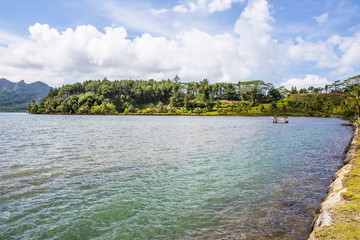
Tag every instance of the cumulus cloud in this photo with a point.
(85, 52)
(6, 38)
(322, 18)
(350, 47)
(322, 53)
(309, 80)
(255, 19)
(261, 54)
(249, 52)
(339, 54)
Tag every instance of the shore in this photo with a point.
(195, 114)
(338, 216)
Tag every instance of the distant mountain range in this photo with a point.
(14, 97)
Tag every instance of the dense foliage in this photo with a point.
(175, 97)
(15, 96)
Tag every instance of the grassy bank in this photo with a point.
(346, 215)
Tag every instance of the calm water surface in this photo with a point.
(148, 177)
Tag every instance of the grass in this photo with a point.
(339, 231)
(346, 217)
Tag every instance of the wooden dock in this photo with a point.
(277, 119)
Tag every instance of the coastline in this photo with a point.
(325, 216)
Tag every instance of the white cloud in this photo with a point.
(139, 18)
(322, 18)
(7, 38)
(221, 5)
(85, 52)
(339, 54)
(190, 6)
(248, 52)
(207, 5)
(309, 80)
(350, 47)
(254, 19)
(180, 8)
(158, 11)
(260, 54)
(144, 18)
(320, 52)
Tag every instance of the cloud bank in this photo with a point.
(249, 52)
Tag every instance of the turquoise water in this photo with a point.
(167, 177)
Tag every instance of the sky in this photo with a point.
(287, 43)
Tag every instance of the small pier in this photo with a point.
(277, 119)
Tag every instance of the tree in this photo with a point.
(273, 107)
(355, 99)
(284, 108)
(275, 94)
(186, 103)
(294, 90)
(284, 92)
(102, 96)
(262, 108)
(177, 79)
(303, 90)
(32, 106)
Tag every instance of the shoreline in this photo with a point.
(203, 115)
(325, 215)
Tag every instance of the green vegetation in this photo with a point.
(347, 216)
(199, 98)
(14, 97)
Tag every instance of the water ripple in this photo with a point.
(134, 177)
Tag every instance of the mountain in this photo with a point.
(14, 97)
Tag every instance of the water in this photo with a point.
(149, 177)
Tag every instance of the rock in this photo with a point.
(336, 189)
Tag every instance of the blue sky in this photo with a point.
(284, 42)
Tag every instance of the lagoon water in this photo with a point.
(164, 177)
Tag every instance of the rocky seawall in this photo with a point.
(324, 216)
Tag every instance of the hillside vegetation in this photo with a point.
(200, 98)
(16, 96)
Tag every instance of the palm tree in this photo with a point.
(355, 99)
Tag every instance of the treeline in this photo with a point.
(122, 94)
(175, 97)
(338, 86)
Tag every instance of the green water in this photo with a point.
(164, 177)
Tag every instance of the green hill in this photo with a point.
(194, 98)
(14, 97)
